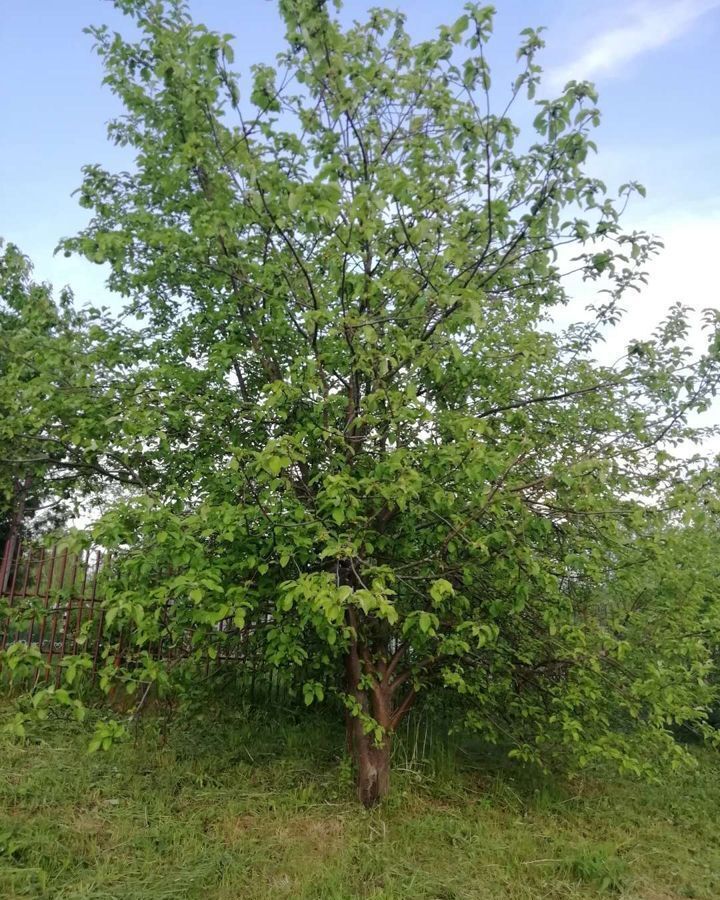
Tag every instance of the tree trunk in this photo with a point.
(373, 769)
(377, 701)
(371, 758)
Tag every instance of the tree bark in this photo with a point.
(370, 682)
(373, 769)
(371, 757)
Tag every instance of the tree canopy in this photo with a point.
(63, 373)
(350, 424)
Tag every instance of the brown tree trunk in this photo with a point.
(371, 757)
(373, 769)
(373, 686)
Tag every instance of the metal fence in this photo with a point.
(50, 598)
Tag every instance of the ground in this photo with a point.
(239, 805)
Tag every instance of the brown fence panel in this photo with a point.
(53, 599)
(51, 594)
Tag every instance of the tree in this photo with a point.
(363, 440)
(61, 379)
(38, 340)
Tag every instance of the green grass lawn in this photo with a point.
(244, 807)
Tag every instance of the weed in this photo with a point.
(600, 868)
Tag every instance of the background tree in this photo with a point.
(61, 381)
(38, 340)
(362, 436)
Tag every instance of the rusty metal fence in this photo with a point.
(49, 599)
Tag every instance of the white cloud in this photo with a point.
(684, 271)
(647, 26)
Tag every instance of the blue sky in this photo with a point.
(656, 64)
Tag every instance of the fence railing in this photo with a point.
(51, 599)
(50, 596)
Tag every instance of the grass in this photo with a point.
(244, 806)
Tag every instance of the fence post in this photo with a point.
(53, 627)
(10, 591)
(5, 564)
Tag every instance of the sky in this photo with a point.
(655, 63)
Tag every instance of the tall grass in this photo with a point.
(232, 800)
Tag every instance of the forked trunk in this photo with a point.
(371, 758)
(373, 769)
(377, 701)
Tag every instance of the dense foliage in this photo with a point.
(62, 377)
(354, 435)
(39, 342)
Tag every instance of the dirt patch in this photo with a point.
(86, 822)
(236, 829)
(314, 836)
